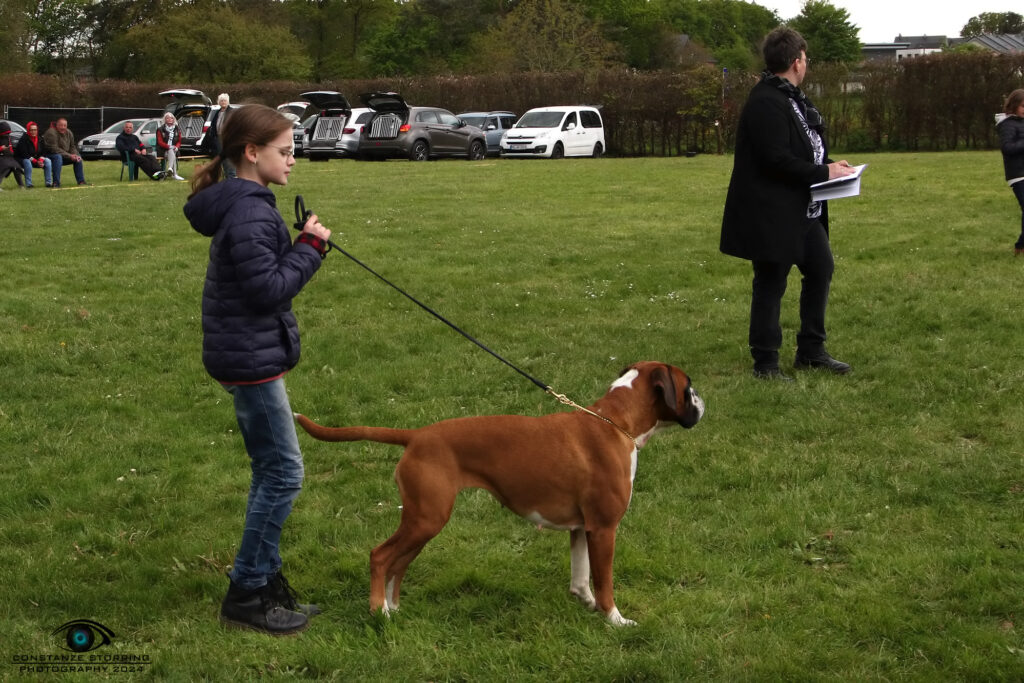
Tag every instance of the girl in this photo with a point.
(1011, 141)
(251, 339)
(168, 139)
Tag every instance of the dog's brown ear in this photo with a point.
(665, 384)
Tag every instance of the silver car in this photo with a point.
(493, 124)
(103, 145)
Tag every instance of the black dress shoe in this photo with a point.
(823, 361)
(259, 610)
(771, 372)
(285, 594)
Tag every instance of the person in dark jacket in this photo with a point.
(769, 217)
(218, 119)
(131, 147)
(8, 164)
(251, 339)
(1011, 142)
(29, 152)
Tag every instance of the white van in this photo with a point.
(556, 132)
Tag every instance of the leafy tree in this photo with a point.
(212, 43)
(432, 36)
(14, 55)
(731, 29)
(544, 35)
(335, 33)
(830, 35)
(993, 22)
(55, 31)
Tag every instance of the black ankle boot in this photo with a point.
(285, 594)
(260, 611)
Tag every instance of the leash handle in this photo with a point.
(302, 215)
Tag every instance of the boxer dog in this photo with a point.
(569, 471)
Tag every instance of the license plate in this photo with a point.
(519, 146)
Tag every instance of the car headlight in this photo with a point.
(106, 143)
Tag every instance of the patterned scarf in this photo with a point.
(810, 112)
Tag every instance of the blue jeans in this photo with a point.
(268, 429)
(47, 171)
(1018, 192)
(58, 164)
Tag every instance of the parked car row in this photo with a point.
(387, 127)
(326, 126)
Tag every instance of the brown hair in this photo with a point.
(1015, 99)
(252, 124)
(781, 48)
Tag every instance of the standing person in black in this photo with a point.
(213, 144)
(1011, 143)
(769, 217)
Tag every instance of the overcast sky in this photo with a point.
(880, 21)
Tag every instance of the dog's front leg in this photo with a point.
(601, 547)
(579, 563)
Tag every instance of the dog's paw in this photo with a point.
(616, 619)
(584, 595)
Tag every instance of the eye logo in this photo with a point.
(83, 635)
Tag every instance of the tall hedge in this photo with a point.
(939, 102)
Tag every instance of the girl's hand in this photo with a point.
(313, 227)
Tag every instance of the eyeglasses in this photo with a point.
(286, 152)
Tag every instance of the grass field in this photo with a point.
(866, 527)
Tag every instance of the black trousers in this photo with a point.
(816, 267)
(149, 164)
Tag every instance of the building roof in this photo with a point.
(923, 42)
(1003, 43)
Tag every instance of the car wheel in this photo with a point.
(598, 151)
(420, 151)
(477, 151)
(558, 152)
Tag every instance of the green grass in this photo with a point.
(858, 528)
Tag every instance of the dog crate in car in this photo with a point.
(385, 126)
(191, 126)
(334, 111)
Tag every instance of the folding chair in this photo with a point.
(133, 171)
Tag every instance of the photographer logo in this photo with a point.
(80, 639)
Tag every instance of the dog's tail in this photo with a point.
(398, 437)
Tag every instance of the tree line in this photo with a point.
(318, 40)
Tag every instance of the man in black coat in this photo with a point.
(132, 148)
(769, 217)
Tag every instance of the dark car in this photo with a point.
(17, 130)
(493, 124)
(191, 108)
(397, 130)
(332, 111)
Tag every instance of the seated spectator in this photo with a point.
(29, 151)
(168, 140)
(8, 164)
(131, 147)
(58, 140)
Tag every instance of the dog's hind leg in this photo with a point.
(579, 563)
(601, 547)
(426, 508)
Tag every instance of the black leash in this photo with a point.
(303, 215)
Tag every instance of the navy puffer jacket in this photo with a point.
(249, 331)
